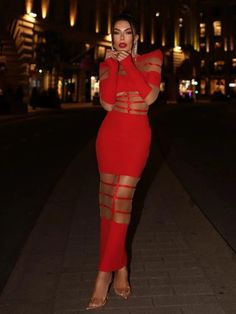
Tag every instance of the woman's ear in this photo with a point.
(136, 37)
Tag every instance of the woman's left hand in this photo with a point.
(121, 55)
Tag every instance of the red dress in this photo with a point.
(124, 137)
(122, 144)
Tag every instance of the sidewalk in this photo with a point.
(40, 111)
(89, 105)
(180, 264)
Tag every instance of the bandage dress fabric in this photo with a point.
(122, 147)
(124, 138)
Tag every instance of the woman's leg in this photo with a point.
(116, 194)
(115, 201)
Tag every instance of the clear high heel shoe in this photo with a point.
(123, 292)
(95, 305)
(96, 302)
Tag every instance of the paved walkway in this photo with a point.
(180, 265)
(31, 113)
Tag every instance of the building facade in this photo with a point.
(59, 43)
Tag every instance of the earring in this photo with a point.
(135, 49)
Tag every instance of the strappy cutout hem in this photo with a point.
(115, 197)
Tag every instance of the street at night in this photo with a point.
(117, 156)
(199, 144)
(180, 134)
(34, 153)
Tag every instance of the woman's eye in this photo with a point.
(129, 33)
(116, 33)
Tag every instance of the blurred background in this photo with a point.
(50, 49)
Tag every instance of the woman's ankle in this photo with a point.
(104, 275)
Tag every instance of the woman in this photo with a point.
(129, 84)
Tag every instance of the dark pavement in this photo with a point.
(35, 150)
(179, 262)
(199, 144)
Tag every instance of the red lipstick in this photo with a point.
(122, 45)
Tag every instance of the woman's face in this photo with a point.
(123, 37)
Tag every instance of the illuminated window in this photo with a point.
(202, 87)
(217, 86)
(100, 52)
(36, 38)
(202, 29)
(202, 63)
(219, 65)
(217, 28)
(232, 87)
(234, 63)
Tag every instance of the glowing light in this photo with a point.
(29, 18)
(108, 37)
(109, 15)
(45, 8)
(232, 84)
(142, 28)
(176, 37)
(73, 12)
(163, 42)
(87, 46)
(217, 28)
(59, 87)
(101, 52)
(194, 82)
(231, 42)
(157, 14)
(153, 33)
(97, 21)
(225, 44)
(163, 39)
(207, 45)
(40, 71)
(177, 48)
(29, 6)
(32, 14)
(97, 26)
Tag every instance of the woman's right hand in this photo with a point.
(111, 54)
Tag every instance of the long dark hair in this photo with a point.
(124, 16)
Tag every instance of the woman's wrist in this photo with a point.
(127, 62)
(112, 63)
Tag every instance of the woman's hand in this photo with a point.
(111, 54)
(121, 55)
(117, 55)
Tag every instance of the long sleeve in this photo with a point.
(108, 80)
(151, 72)
(136, 76)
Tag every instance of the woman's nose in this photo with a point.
(122, 36)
